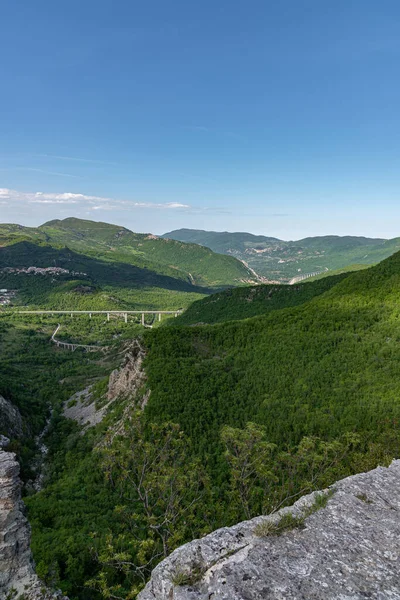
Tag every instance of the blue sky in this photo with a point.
(281, 118)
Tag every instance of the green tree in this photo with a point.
(249, 456)
(263, 478)
(310, 466)
(160, 491)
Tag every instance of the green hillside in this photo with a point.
(199, 266)
(89, 283)
(280, 261)
(348, 269)
(327, 366)
(110, 267)
(243, 416)
(223, 242)
(190, 263)
(245, 302)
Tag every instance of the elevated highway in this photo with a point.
(73, 347)
(118, 313)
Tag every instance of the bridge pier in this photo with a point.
(117, 313)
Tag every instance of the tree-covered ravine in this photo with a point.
(274, 400)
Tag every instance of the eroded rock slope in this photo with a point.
(17, 575)
(127, 380)
(123, 383)
(347, 550)
(10, 419)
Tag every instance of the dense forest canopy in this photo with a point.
(290, 389)
(242, 303)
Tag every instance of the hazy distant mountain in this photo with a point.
(280, 260)
(224, 241)
(119, 268)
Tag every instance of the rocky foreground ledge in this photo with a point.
(17, 575)
(348, 549)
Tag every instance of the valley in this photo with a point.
(83, 265)
(236, 402)
(200, 300)
(280, 261)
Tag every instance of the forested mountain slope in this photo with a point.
(280, 260)
(327, 366)
(194, 264)
(243, 417)
(242, 303)
(65, 279)
(224, 242)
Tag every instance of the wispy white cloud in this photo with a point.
(167, 205)
(52, 201)
(10, 197)
(45, 171)
(14, 196)
(66, 197)
(104, 207)
(75, 159)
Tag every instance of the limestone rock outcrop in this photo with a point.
(347, 550)
(127, 380)
(17, 573)
(81, 407)
(124, 383)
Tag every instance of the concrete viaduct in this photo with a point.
(299, 278)
(73, 347)
(119, 313)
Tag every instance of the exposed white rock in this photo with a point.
(81, 407)
(124, 382)
(127, 380)
(349, 550)
(17, 573)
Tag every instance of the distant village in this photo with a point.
(6, 295)
(41, 271)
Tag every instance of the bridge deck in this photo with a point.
(99, 312)
(73, 347)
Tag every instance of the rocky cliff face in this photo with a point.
(127, 380)
(349, 549)
(10, 419)
(17, 574)
(123, 383)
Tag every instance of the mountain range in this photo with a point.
(255, 395)
(115, 267)
(108, 266)
(281, 261)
